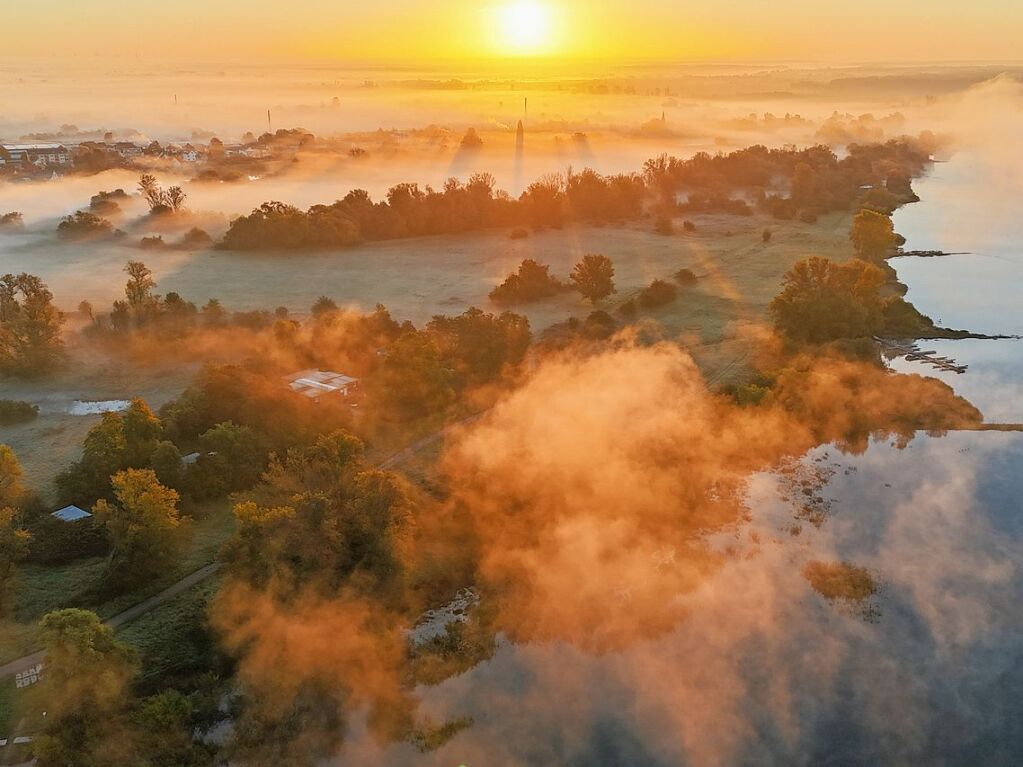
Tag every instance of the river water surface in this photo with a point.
(766, 670)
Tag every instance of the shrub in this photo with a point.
(685, 277)
(83, 224)
(766, 236)
(657, 293)
(13, 219)
(15, 411)
(152, 243)
(531, 282)
(195, 238)
(628, 309)
(104, 207)
(519, 234)
(808, 217)
(689, 226)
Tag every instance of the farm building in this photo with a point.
(317, 383)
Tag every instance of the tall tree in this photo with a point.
(150, 189)
(139, 288)
(86, 688)
(594, 277)
(822, 301)
(14, 542)
(30, 326)
(12, 491)
(142, 524)
(142, 432)
(873, 234)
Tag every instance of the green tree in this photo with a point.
(104, 452)
(804, 185)
(233, 458)
(477, 346)
(412, 380)
(531, 282)
(141, 525)
(14, 541)
(164, 723)
(165, 461)
(30, 326)
(321, 516)
(823, 301)
(142, 303)
(142, 432)
(86, 689)
(872, 234)
(593, 276)
(323, 306)
(150, 190)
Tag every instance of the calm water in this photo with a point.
(764, 670)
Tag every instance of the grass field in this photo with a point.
(47, 444)
(39, 589)
(416, 279)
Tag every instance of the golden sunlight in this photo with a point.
(523, 27)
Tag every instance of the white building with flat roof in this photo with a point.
(316, 383)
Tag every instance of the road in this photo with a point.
(9, 669)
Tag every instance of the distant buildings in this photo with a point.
(40, 155)
(318, 383)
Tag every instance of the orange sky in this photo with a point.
(433, 30)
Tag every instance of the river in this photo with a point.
(765, 670)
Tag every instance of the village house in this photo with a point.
(40, 155)
(126, 149)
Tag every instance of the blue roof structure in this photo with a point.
(70, 514)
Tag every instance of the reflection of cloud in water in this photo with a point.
(763, 670)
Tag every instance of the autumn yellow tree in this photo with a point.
(142, 524)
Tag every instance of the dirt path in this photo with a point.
(20, 664)
(27, 661)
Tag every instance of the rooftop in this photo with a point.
(313, 383)
(70, 514)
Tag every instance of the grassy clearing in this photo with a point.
(170, 638)
(39, 589)
(47, 444)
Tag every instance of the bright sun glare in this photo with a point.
(523, 27)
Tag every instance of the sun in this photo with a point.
(523, 27)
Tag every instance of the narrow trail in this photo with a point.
(27, 661)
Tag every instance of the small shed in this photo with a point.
(70, 514)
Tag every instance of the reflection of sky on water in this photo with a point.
(970, 204)
(764, 670)
(993, 382)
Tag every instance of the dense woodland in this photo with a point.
(782, 182)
